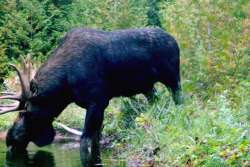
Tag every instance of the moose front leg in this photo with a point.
(89, 146)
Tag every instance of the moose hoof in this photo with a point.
(85, 151)
(89, 157)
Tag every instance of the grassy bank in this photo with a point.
(197, 133)
(210, 133)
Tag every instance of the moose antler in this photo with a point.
(24, 76)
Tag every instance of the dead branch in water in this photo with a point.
(68, 129)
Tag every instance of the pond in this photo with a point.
(54, 155)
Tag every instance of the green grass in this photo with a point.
(199, 133)
(72, 116)
(7, 120)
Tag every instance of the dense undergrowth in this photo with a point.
(199, 133)
(212, 127)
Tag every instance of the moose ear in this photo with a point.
(45, 137)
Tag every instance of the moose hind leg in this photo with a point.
(176, 93)
(172, 82)
(89, 146)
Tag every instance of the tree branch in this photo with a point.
(68, 129)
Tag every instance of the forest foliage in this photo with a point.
(211, 128)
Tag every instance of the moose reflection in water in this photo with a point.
(39, 159)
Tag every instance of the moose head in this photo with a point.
(33, 122)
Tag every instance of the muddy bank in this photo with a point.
(67, 141)
(63, 138)
(60, 137)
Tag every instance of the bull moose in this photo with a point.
(89, 68)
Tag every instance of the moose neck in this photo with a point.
(53, 94)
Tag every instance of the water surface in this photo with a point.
(54, 155)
